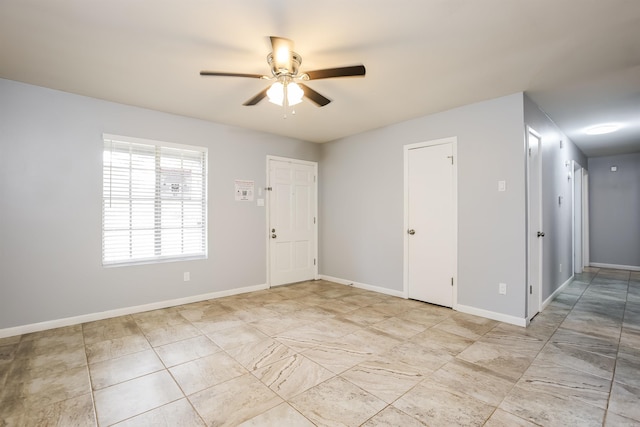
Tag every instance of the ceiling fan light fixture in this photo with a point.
(276, 93)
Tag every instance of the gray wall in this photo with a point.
(50, 206)
(614, 210)
(556, 218)
(361, 203)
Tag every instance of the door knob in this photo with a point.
(540, 234)
(411, 231)
(273, 236)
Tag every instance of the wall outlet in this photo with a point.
(187, 276)
(502, 288)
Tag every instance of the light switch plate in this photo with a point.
(502, 185)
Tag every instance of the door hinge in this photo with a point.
(314, 261)
(314, 178)
(529, 151)
(452, 281)
(314, 219)
(530, 289)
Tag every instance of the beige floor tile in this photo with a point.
(366, 316)
(502, 418)
(167, 334)
(337, 402)
(438, 339)
(76, 411)
(234, 402)
(391, 416)
(628, 366)
(625, 401)
(186, 350)
(273, 326)
(400, 328)
(466, 325)
(566, 382)
(237, 336)
(108, 329)
(117, 347)
(258, 354)
(178, 413)
(551, 410)
(217, 323)
(425, 359)
(338, 356)
(443, 406)
(281, 415)
(499, 359)
(578, 356)
(120, 369)
(293, 375)
(206, 372)
(615, 420)
(125, 400)
(384, 379)
(485, 385)
(26, 392)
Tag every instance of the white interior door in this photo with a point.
(535, 233)
(431, 220)
(585, 218)
(577, 218)
(292, 221)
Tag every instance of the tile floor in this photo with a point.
(319, 353)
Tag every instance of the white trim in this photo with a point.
(540, 226)
(453, 140)
(378, 289)
(615, 266)
(517, 321)
(153, 142)
(268, 212)
(69, 321)
(555, 293)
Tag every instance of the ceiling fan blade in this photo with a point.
(282, 49)
(217, 73)
(314, 96)
(259, 97)
(352, 71)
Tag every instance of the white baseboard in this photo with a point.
(69, 321)
(462, 308)
(364, 286)
(555, 293)
(615, 266)
(517, 321)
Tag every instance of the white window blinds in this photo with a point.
(154, 201)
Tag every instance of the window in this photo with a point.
(154, 201)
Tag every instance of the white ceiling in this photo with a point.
(579, 60)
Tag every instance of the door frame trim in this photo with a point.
(529, 130)
(453, 140)
(268, 212)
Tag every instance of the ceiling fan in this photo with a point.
(287, 89)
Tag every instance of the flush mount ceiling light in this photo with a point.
(602, 129)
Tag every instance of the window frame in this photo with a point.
(157, 148)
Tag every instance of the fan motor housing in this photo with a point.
(296, 60)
